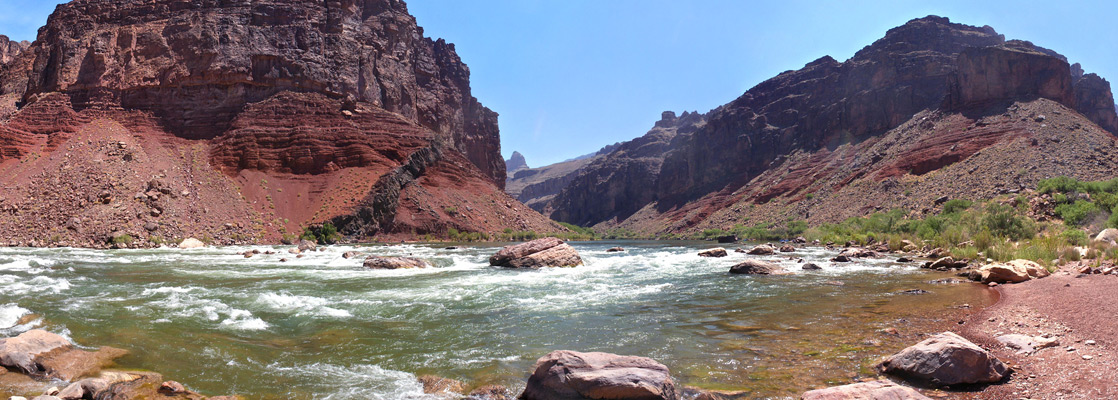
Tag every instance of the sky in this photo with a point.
(571, 76)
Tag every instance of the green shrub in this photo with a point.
(1002, 220)
(956, 206)
(1075, 237)
(1075, 214)
(124, 239)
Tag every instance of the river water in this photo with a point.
(322, 327)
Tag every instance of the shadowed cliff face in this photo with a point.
(196, 64)
(926, 64)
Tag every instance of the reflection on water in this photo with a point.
(322, 327)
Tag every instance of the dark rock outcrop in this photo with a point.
(569, 375)
(10, 49)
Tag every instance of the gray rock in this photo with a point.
(943, 360)
(756, 267)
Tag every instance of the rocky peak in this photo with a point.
(196, 64)
(516, 163)
(10, 49)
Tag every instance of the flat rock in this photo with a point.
(70, 363)
(21, 351)
(943, 360)
(569, 375)
(875, 390)
(715, 252)
(1015, 271)
(762, 250)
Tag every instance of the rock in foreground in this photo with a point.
(876, 390)
(943, 360)
(756, 267)
(1015, 271)
(546, 252)
(569, 375)
(374, 262)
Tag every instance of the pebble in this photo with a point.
(1089, 342)
(1087, 357)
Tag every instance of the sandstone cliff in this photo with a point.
(928, 64)
(253, 118)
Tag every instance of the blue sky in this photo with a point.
(570, 76)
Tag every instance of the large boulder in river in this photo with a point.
(191, 243)
(943, 360)
(374, 262)
(546, 252)
(756, 267)
(307, 245)
(569, 375)
(715, 252)
(874, 390)
(1015, 271)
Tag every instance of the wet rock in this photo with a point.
(490, 392)
(841, 259)
(307, 245)
(914, 291)
(20, 352)
(875, 390)
(374, 262)
(350, 254)
(799, 240)
(811, 266)
(191, 243)
(248, 254)
(858, 252)
(70, 363)
(1015, 271)
(756, 267)
(171, 387)
(727, 239)
(904, 260)
(787, 248)
(715, 252)
(615, 250)
(943, 360)
(573, 375)
(762, 250)
(546, 252)
(435, 384)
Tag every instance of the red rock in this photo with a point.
(574, 375)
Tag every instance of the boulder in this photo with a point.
(715, 252)
(436, 385)
(171, 387)
(811, 266)
(787, 248)
(1109, 236)
(857, 252)
(350, 254)
(762, 250)
(1015, 271)
(374, 262)
(946, 263)
(70, 363)
(756, 267)
(841, 259)
(943, 360)
(307, 245)
(546, 252)
(20, 352)
(874, 390)
(615, 250)
(727, 239)
(799, 240)
(191, 243)
(563, 375)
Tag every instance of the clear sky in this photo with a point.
(570, 76)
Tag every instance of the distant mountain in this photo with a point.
(536, 187)
(932, 109)
(515, 163)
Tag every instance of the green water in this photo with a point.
(322, 327)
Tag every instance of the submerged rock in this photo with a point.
(811, 266)
(437, 384)
(943, 360)
(374, 262)
(546, 252)
(562, 375)
(490, 392)
(875, 390)
(756, 267)
(715, 252)
(615, 250)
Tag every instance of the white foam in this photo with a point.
(10, 315)
(301, 305)
(362, 381)
(189, 302)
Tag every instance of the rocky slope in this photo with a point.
(244, 121)
(925, 94)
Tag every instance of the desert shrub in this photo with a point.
(1075, 214)
(1075, 237)
(956, 205)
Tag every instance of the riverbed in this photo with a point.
(323, 327)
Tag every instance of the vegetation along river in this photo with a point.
(323, 327)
